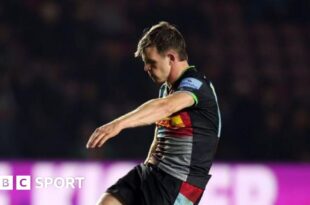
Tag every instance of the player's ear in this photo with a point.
(171, 57)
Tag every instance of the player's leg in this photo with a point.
(124, 191)
(108, 199)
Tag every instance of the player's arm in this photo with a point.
(146, 114)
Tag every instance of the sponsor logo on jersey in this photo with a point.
(171, 122)
(190, 83)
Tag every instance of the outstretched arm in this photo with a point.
(146, 114)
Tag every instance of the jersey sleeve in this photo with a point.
(197, 88)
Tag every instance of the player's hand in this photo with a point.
(102, 134)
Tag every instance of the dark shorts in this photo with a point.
(148, 185)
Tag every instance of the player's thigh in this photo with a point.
(108, 199)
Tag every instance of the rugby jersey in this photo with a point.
(187, 140)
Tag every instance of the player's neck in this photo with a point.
(176, 71)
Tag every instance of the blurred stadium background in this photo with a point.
(66, 67)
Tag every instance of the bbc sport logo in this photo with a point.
(24, 182)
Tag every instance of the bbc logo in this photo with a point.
(22, 182)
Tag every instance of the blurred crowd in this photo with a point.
(67, 67)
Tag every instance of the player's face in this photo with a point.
(156, 65)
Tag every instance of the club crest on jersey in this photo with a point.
(190, 83)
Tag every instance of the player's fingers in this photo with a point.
(102, 141)
(106, 137)
(92, 138)
(97, 140)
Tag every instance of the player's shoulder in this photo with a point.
(193, 77)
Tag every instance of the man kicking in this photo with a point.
(188, 126)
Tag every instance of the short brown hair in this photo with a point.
(163, 36)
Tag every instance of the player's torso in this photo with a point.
(186, 140)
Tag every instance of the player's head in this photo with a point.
(160, 47)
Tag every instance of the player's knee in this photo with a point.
(108, 199)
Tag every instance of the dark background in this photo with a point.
(67, 67)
